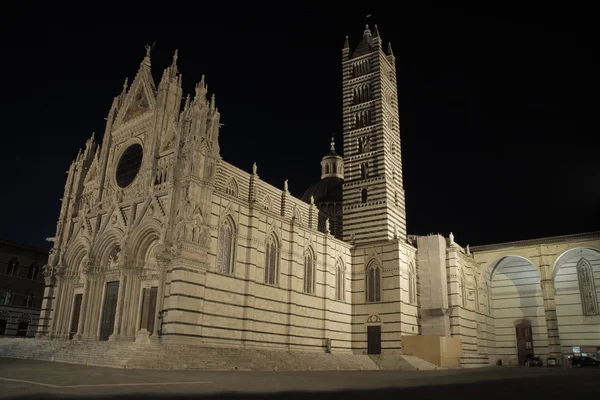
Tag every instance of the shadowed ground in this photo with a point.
(39, 379)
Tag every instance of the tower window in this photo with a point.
(362, 94)
(361, 68)
(362, 119)
(363, 195)
(364, 144)
(364, 171)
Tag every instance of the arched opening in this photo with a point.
(226, 247)
(373, 282)
(271, 260)
(516, 295)
(576, 275)
(309, 271)
(340, 281)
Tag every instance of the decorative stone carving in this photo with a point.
(587, 288)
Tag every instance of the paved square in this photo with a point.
(36, 379)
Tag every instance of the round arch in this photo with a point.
(573, 255)
(105, 243)
(76, 252)
(145, 236)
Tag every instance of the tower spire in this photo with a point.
(346, 43)
(389, 50)
(332, 143)
(376, 32)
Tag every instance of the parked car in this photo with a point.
(584, 361)
(533, 361)
(552, 362)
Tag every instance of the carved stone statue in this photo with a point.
(254, 169)
(451, 237)
(327, 225)
(468, 251)
(285, 185)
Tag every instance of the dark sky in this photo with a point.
(488, 102)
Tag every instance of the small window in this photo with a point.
(363, 195)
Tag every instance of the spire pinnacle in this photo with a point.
(175, 57)
(332, 143)
(367, 30)
(389, 50)
(346, 43)
(376, 32)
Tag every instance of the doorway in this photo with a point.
(374, 339)
(109, 309)
(76, 313)
(524, 341)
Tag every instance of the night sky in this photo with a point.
(488, 102)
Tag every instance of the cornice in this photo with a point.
(538, 241)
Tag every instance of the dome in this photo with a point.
(327, 190)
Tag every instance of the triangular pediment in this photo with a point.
(138, 105)
(140, 98)
(92, 171)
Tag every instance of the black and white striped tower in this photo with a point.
(373, 194)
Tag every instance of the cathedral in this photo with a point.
(161, 240)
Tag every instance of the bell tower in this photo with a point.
(373, 194)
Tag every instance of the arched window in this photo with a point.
(489, 298)
(309, 272)
(477, 306)
(33, 271)
(463, 289)
(373, 284)
(6, 295)
(587, 288)
(28, 299)
(363, 195)
(13, 267)
(232, 188)
(412, 285)
(226, 247)
(271, 260)
(340, 282)
(364, 171)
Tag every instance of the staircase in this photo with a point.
(169, 356)
(392, 361)
(474, 360)
(420, 364)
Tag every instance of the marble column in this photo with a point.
(82, 310)
(118, 313)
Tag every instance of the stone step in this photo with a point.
(420, 364)
(161, 356)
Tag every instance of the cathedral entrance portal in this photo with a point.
(374, 339)
(524, 341)
(76, 313)
(107, 323)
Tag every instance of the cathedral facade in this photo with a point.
(160, 239)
